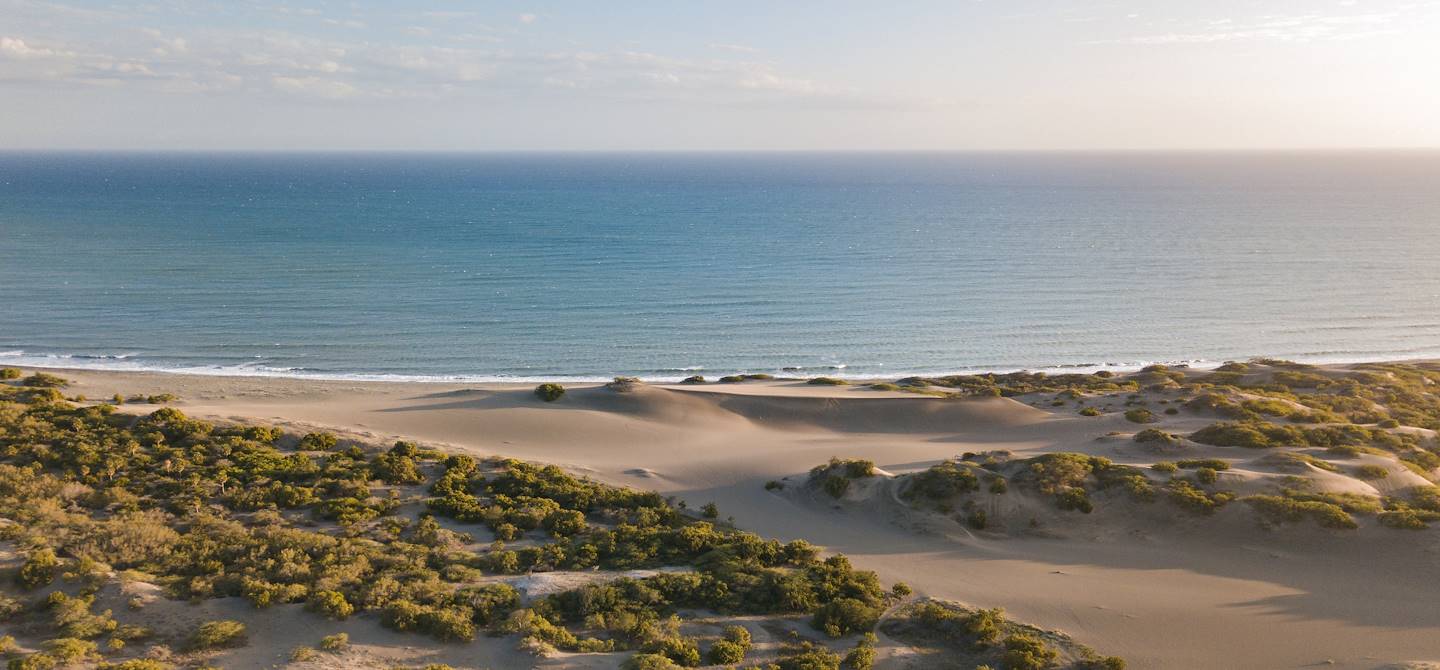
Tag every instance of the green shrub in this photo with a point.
(1217, 404)
(331, 604)
(647, 661)
(43, 380)
(9, 373)
(1372, 472)
(1268, 406)
(33, 662)
(70, 650)
(682, 650)
(1286, 509)
(1089, 411)
(318, 442)
(549, 392)
(1187, 496)
(836, 485)
(1139, 415)
(843, 616)
(731, 648)
(809, 656)
(1207, 475)
(828, 381)
(1164, 466)
(1253, 435)
(1074, 499)
(136, 664)
(39, 568)
(862, 656)
(1212, 463)
(941, 481)
(217, 635)
(336, 642)
(1405, 519)
(1025, 652)
(1155, 436)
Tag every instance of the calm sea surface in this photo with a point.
(663, 265)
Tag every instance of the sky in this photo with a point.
(733, 75)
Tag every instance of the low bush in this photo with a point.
(9, 373)
(336, 642)
(318, 442)
(1025, 652)
(1139, 415)
(1196, 463)
(732, 646)
(1269, 406)
(43, 380)
(549, 392)
(38, 569)
(843, 616)
(1287, 509)
(1193, 499)
(1372, 472)
(1156, 436)
(1252, 435)
(1404, 519)
(941, 481)
(218, 635)
(331, 604)
(828, 381)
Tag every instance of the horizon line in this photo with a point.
(461, 152)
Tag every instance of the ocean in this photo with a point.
(533, 266)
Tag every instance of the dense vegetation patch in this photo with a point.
(207, 511)
(986, 638)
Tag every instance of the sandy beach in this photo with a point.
(1155, 586)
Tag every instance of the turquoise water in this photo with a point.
(661, 265)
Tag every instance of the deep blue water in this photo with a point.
(566, 265)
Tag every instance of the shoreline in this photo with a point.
(53, 363)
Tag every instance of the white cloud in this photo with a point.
(527, 18)
(318, 65)
(1301, 28)
(14, 47)
(314, 86)
(737, 48)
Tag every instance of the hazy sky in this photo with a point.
(740, 74)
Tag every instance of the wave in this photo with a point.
(131, 362)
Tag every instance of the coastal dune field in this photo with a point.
(1152, 583)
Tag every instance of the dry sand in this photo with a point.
(1161, 590)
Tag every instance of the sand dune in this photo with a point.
(1163, 590)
